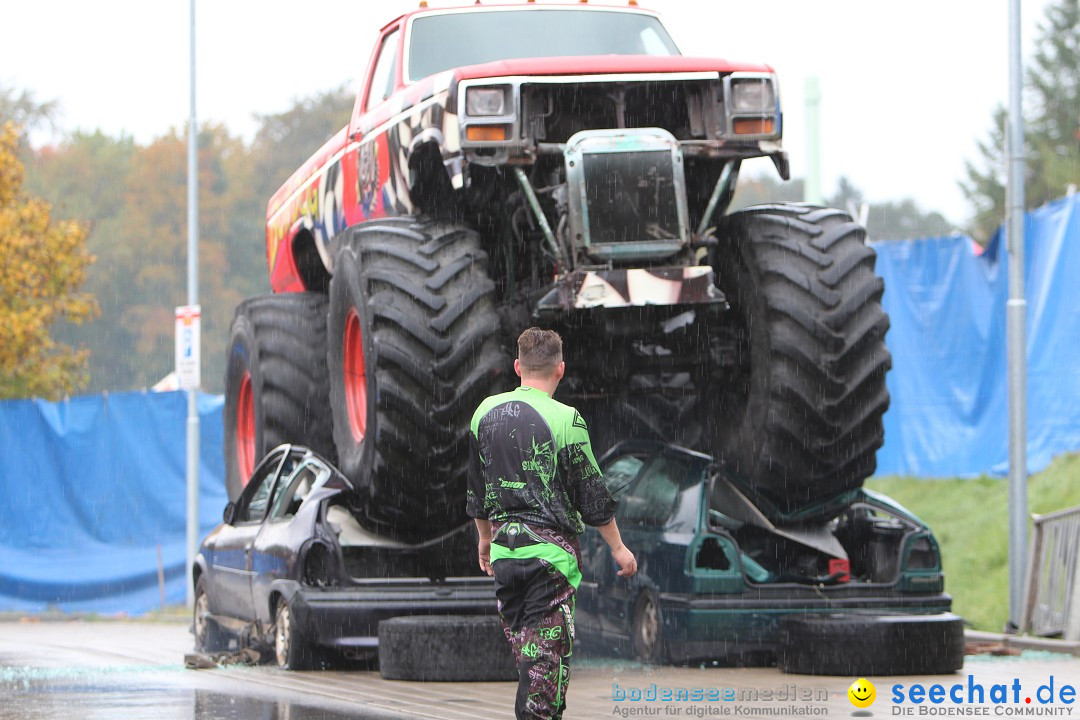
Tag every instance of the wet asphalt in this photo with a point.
(115, 670)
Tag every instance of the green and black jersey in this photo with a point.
(532, 461)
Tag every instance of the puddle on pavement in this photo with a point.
(55, 693)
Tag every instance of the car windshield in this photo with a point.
(662, 494)
(442, 41)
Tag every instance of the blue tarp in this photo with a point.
(949, 411)
(91, 487)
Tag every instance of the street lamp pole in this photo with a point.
(1016, 314)
(192, 299)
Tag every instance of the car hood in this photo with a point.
(603, 65)
(739, 507)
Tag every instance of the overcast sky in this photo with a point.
(907, 87)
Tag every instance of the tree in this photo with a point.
(285, 140)
(135, 199)
(890, 220)
(1051, 126)
(42, 265)
(145, 257)
(26, 113)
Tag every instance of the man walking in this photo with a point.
(533, 486)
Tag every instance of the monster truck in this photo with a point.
(560, 165)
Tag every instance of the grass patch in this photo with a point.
(969, 518)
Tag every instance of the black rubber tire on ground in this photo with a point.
(647, 631)
(855, 645)
(800, 417)
(292, 651)
(279, 343)
(450, 648)
(415, 297)
(209, 637)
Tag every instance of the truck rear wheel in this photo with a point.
(800, 415)
(276, 386)
(413, 348)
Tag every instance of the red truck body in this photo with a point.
(328, 194)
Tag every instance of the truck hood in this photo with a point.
(603, 65)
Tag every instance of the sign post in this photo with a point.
(187, 346)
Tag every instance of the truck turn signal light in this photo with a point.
(486, 133)
(752, 126)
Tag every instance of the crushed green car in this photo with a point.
(849, 586)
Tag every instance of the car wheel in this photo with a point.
(647, 633)
(291, 650)
(209, 637)
(450, 649)
(870, 645)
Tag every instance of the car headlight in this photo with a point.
(753, 95)
(486, 101)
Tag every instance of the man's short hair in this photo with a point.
(539, 351)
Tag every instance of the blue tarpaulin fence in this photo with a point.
(949, 410)
(92, 486)
(89, 490)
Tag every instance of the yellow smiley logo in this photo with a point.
(862, 693)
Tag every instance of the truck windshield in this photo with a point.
(448, 40)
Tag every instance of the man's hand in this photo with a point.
(483, 545)
(483, 549)
(626, 561)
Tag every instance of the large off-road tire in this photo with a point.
(799, 417)
(450, 648)
(276, 386)
(413, 349)
(856, 645)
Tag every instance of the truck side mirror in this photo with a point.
(230, 513)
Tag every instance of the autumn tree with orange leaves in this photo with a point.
(42, 266)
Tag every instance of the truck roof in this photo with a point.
(529, 5)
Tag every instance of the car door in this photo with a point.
(231, 559)
(598, 572)
(650, 517)
(275, 551)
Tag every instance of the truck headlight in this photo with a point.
(486, 101)
(753, 95)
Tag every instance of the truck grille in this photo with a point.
(631, 197)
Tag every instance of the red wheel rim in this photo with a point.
(355, 376)
(245, 429)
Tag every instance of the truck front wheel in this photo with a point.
(800, 412)
(413, 348)
(276, 386)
